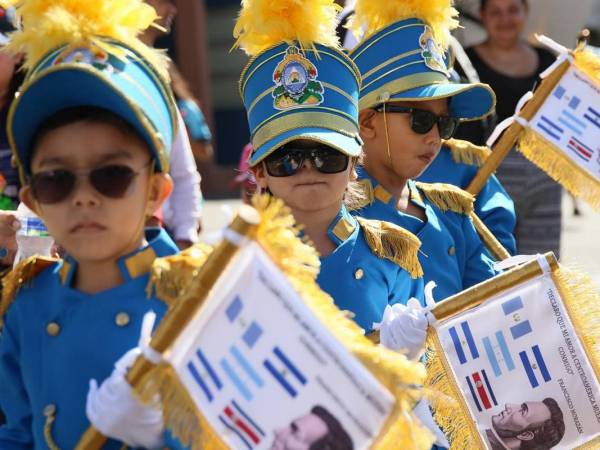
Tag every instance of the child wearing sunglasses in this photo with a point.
(408, 105)
(301, 99)
(91, 131)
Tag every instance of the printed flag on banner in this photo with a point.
(536, 379)
(266, 353)
(563, 137)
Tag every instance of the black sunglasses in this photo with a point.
(288, 160)
(53, 186)
(422, 121)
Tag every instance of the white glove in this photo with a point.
(404, 327)
(116, 413)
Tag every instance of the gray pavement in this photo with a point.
(580, 240)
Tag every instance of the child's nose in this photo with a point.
(84, 194)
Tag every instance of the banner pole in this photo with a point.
(243, 227)
(509, 138)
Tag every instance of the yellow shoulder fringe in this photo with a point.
(278, 236)
(582, 301)
(448, 197)
(48, 24)
(553, 161)
(390, 241)
(466, 152)
(24, 272)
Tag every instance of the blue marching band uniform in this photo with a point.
(382, 256)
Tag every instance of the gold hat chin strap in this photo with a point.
(387, 137)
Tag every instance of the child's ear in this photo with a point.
(161, 186)
(261, 176)
(26, 196)
(366, 120)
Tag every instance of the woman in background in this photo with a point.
(511, 66)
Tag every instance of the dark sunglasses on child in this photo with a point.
(112, 181)
(288, 159)
(422, 121)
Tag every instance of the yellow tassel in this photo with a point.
(465, 152)
(373, 15)
(448, 197)
(582, 301)
(14, 280)
(560, 167)
(589, 63)
(171, 277)
(364, 196)
(184, 420)
(398, 245)
(265, 23)
(449, 414)
(48, 24)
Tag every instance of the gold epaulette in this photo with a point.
(390, 241)
(466, 152)
(24, 272)
(171, 276)
(361, 193)
(448, 197)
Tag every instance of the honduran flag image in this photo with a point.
(285, 372)
(481, 390)
(241, 425)
(463, 342)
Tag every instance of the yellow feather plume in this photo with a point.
(373, 15)
(48, 24)
(265, 23)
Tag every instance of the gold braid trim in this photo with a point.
(391, 242)
(466, 152)
(24, 272)
(448, 197)
(170, 277)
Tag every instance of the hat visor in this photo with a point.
(467, 101)
(348, 145)
(64, 88)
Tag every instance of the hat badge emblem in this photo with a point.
(296, 83)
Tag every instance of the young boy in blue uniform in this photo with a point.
(91, 131)
(302, 103)
(408, 106)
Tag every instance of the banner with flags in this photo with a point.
(520, 369)
(259, 364)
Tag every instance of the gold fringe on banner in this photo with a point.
(560, 167)
(278, 236)
(390, 241)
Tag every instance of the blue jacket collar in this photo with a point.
(381, 194)
(342, 227)
(136, 263)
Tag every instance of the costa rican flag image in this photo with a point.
(285, 372)
(462, 339)
(580, 149)
(535, 367)
(241, 425)
(481, 390)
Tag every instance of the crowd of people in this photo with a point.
(359, 143)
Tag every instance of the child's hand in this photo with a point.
(404, 328)
(113, 409)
